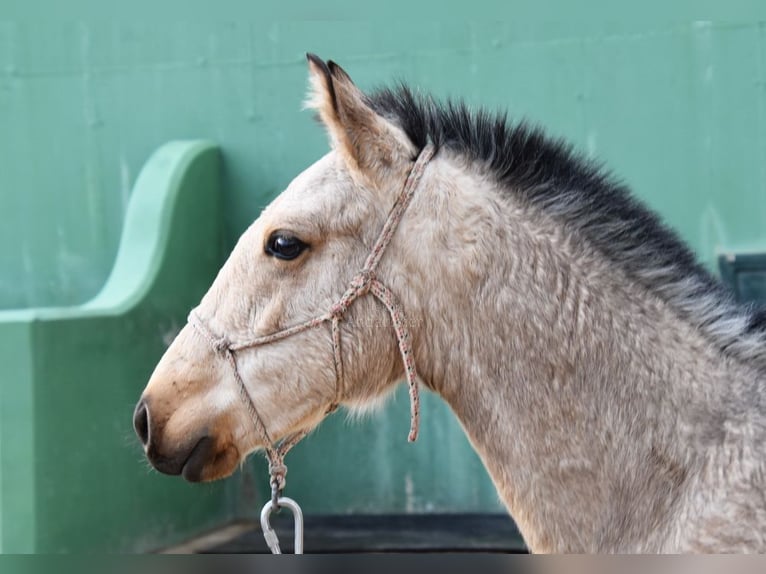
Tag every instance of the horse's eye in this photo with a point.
(284, 246)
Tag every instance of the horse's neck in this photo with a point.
(573, 384)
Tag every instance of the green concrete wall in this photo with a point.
(674, 105)
(675, 108)
(72, 474)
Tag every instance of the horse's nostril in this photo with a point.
(141, 422)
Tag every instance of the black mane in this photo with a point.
(551, 175)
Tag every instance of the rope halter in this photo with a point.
(363, 283)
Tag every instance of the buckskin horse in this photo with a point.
(612, 387)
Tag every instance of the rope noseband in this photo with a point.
(365, 282)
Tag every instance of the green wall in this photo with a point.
(72, 475)
(677, 109)
(675, 106)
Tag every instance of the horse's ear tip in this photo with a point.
(319, 64)
(337, 71)
(312, 58)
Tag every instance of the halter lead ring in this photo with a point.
(272, 541)
(363, 283)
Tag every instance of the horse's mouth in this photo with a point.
(185, 463)
(195, 464)
(203, 463)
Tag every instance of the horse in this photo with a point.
(612, 386)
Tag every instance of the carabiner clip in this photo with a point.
(268, 532)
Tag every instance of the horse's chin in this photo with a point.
(206, 463)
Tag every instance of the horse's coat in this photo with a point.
(612, 387)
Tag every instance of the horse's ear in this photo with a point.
(369, 143)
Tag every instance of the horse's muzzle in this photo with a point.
(188, 462)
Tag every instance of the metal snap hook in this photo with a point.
(272, 541)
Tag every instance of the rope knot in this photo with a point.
(278, 474)
(339, 309)
(359, 285)
(362, 281)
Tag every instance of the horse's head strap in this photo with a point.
(365, 282)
